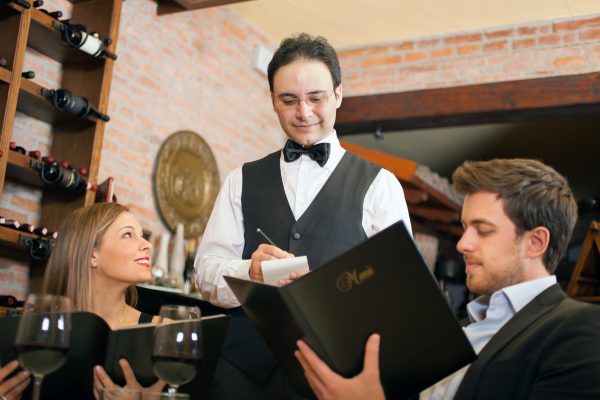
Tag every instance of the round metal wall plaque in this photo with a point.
(186, 182)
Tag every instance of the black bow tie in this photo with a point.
(318, 152)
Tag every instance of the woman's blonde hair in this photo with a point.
(68, 271)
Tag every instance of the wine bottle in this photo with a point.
(18, 149)
(68, 178)
(54, 14)
(77, 36)
(28, 74)
(42, 231)
(188, 272)
(22, 3)
(27, 228)
(65, 101)
(10, 223)
(39, 249)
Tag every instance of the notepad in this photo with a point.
(274, 270)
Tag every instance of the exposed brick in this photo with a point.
(370, 62)
(427, 43)
(502, 33)
(418, 68)
(377, 50)
(593, 34)
(527, 30)
(352, 53)
(569, 38)
(464, 63)
(456, 39)
(495, 46)
(549, 40)
(441, 53)
(564, 61)
(523, 44)
(468, 49)
(24, 204)
(416, 56)
(403, 46)
(573, 25)
(12, 214)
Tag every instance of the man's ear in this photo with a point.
(538, 241)
(338, 96)
(273, 101)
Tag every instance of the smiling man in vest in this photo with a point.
(312, 198)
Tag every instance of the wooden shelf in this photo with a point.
(423, 200)
(20, 169)
(173, 6)
(5, 75)
(584, 284)
(32, 103)
(44, 38)
(12, 237)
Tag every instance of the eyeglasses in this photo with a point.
(313, 100)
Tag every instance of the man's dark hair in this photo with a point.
(534, 195)
(304, 46)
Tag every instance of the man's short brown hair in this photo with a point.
(534, 195)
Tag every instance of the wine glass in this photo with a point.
(178, 312)
(43, 336)
(178, 346)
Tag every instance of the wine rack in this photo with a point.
(75, 139)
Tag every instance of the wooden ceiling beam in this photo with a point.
(473, 104)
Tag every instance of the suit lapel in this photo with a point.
(540, 305)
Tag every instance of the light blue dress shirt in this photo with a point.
(488, 315)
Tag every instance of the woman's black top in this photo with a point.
(145, 318)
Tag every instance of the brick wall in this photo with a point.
(532, 50)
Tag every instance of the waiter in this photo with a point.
(312, 198)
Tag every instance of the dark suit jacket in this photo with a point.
(548, 350)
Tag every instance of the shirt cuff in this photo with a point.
(243, 270)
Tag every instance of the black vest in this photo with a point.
(331, 225)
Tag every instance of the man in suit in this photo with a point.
(311, 198)
(533, 342)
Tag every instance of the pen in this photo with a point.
(265, 236)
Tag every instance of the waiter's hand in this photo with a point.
(262, 253)
(293, 276)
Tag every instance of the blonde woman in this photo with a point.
(98, 258)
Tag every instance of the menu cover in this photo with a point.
(380, 286)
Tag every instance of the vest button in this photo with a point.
(296, 235)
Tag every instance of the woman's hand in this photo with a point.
(102, 380)
(12, 388)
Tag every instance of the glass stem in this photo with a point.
(172, 389)
(37, 386)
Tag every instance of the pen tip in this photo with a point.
(258, 230)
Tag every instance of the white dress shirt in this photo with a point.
(221, 248)
(488, 315)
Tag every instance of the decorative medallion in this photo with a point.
(186, 182)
